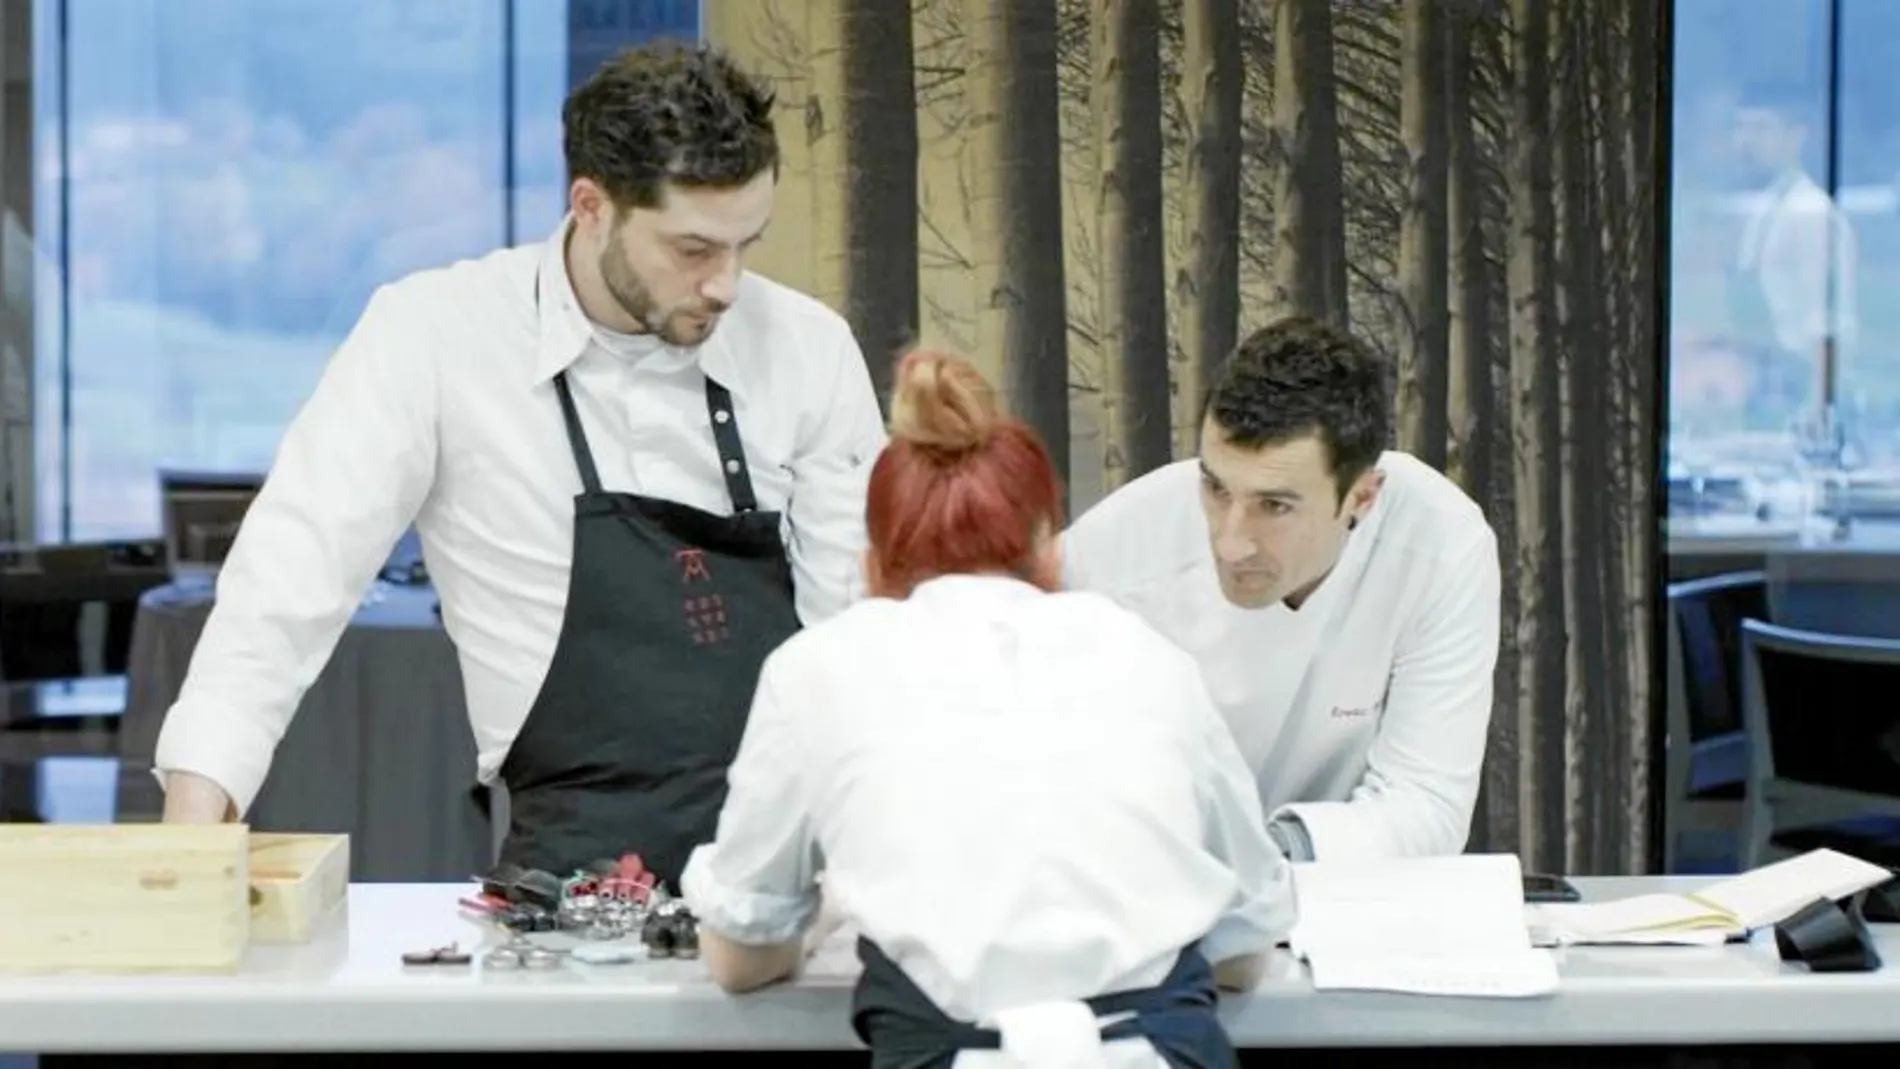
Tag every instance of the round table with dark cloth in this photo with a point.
(380, 747)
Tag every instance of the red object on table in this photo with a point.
(629, 880)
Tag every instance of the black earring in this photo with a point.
(1352, 524)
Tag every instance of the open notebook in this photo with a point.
(1435, 926)
(1727, 909)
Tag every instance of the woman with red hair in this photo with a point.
(1022, 799)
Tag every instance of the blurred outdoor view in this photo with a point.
(218, 186)
(1785, 238)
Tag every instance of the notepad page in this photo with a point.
(1773, 893)
(1643, 919)
(1413, 906)
(1440, 926)
(1523, 974)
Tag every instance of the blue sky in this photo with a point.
(243, 173)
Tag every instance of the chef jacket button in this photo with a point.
(720, 415)
(732, 466)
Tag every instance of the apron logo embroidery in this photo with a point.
(692, 565)
(706, 619)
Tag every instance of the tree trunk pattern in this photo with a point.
(1424, 321)
(1016, 210)
(1310, 228)
(1132, 324)
(1208, 280)
(880, 133)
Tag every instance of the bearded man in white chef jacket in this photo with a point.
(635, 467)
(1341, 599)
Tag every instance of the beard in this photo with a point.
(681, 327)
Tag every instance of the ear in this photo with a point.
(593, 209)
(1365, 491)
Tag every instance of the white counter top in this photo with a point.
(348, 990)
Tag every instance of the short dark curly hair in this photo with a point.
(668, 113)
(1302, 376)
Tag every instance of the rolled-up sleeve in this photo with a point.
(756, 882)
(350, 474)
(830, 476)
(1262, 909)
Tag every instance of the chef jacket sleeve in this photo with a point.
(756, 883)
(350, 475)
(1261, 911)
(830, 475)
(1422, 773)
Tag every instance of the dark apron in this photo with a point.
(906, 1030)
(671, 610)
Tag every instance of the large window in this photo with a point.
(218, 186)
(1784, 379)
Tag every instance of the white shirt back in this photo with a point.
(1020, 797)
(1365, 711)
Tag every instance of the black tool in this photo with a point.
(527, 919)
(1539, 887)
(542, 890)
(658, 935)
(524, 887)
(1828, 936)
(1881, 905)
(685, 936)
(452, 954)
(500, 881)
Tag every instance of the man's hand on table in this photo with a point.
(193, 799)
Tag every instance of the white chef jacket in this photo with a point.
(1363, 714)
(1793, 236)
(440, 408)
(1021, 797)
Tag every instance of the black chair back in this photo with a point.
(1830, 705)
(1708, 615)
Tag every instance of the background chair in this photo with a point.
(1823, 727)
(1707, 749)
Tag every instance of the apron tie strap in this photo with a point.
(1052, 1035)
(906, 1030)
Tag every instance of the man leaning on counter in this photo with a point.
(634, 467)
(1341, 598)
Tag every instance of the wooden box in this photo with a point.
(159, 898)
(296, 881)
(123, 898)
